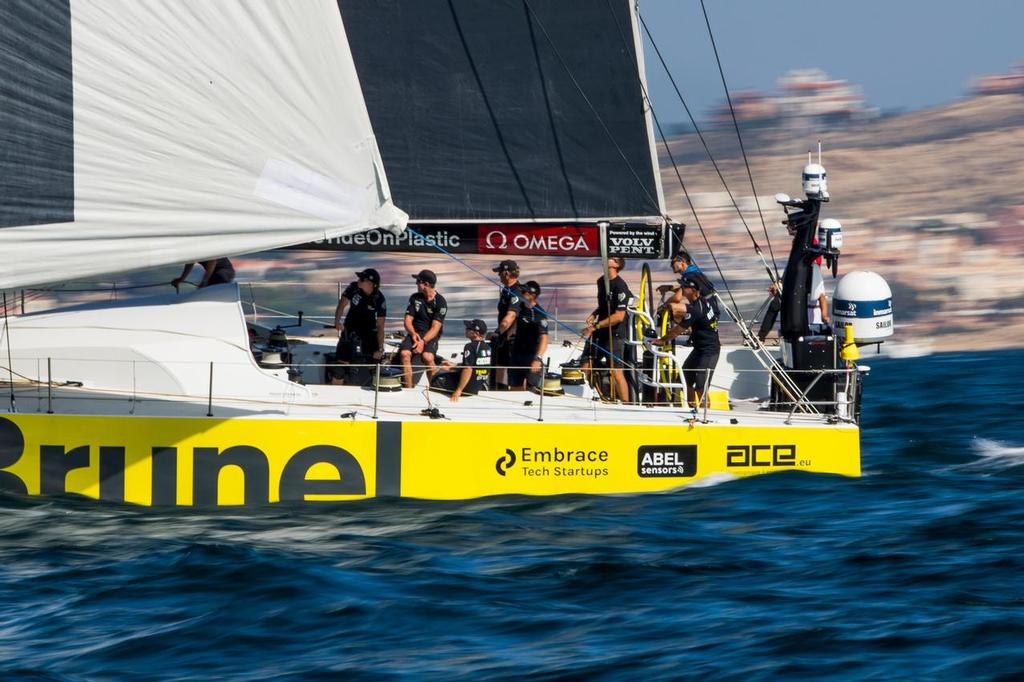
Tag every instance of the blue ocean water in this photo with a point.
(915, 571)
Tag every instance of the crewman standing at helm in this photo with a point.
(701, 320)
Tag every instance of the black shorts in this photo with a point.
(221, 277)
(428, 347)
(597, 349)
(521, 371)
(353, 347)
(698, 368)
(501, 350)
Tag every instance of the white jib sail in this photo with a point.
(205, 128)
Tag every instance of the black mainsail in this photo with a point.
(507, 110)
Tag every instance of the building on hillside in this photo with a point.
(1000, 84)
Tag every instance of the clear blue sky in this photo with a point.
(905, 54)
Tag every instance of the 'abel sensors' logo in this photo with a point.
(505, 462)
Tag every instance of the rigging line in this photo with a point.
(675, 166)
(700, 136)
(593, 110)
(736, 125)
(10, 363)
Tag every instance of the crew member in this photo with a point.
(701, 320)
(531, 341)
(606, 332)
(817, 301)
(468, 377)
(424, 323)
(361, 337)
(216, 271)
(509, 304)
(684, 267)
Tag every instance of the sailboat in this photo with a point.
(138, 135)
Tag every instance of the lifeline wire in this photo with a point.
(739, 137)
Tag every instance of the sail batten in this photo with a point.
(187, 130)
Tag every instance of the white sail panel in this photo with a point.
(200, 129)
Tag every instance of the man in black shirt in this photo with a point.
(606, 330)
(424, 320)
(361, 338)
(531, 341)
(701, 320)
(509, 305)
(470, 375)
(216, 271)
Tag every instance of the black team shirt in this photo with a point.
(364, 311)
(425, 312)
(620, 299)
(530, 326)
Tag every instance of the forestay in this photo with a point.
(136, 134)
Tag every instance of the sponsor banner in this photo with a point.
(533, 240)
(497, 239)
(418, 239)
(635, 241)
(511, 239)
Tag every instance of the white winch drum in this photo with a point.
(864, 300)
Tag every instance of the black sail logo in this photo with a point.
(505, 462)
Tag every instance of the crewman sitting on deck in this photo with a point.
(470, 376)
(424, 323)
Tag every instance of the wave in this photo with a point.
(994, 455)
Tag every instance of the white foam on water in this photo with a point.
(713, 480)
(994, 455)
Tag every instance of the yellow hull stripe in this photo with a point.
(217, 462)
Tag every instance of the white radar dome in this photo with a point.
(830, 229)
(815, 180)
(864, 300)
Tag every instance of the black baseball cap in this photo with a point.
(476, 325)
(531, 287)
(690, 283)
(370, 274)
(506, 265)
(427, 276)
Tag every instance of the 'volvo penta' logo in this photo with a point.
(505, 462)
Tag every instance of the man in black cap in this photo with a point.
(469, 376)
(361, 337)
(424, 323)
(531, 341)
(509, 305)
(701, 320)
